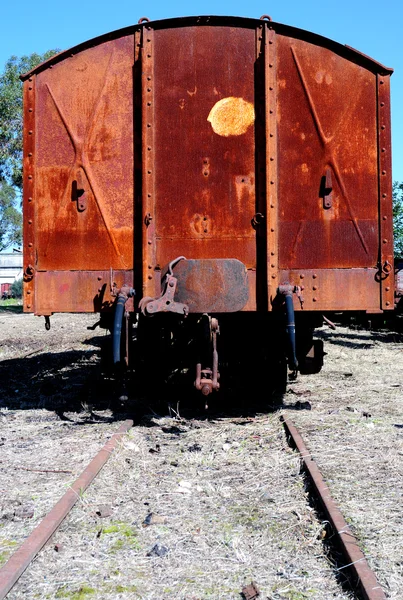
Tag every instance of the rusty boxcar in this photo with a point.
(211, 186)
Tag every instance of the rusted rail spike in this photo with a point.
(355, 559)
(19, 561)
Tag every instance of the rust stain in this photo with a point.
(231, 116)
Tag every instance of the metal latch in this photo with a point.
(326, 189)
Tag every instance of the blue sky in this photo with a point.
(374, 28)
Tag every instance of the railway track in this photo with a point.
(250, 514)
(223, 493)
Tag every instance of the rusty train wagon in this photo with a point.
(212, 186)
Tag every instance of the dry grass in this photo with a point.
(227, 499)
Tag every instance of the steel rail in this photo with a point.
(355, 559)
(19, 561)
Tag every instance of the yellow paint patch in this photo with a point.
(231, 116)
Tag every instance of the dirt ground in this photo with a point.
(197, 506)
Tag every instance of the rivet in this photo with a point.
(271, 135)
(148, 55)
(383, 195)
(148, 103)
(314, 276)
(28, 306)
(383, 172)
(148, 89)
(149, 172)
(382, 126)
(270, 88)
(100, 289)
(271, 205)
(28, 291)
(30, 199)
(148, 124)
(385, 241)
(314, 299)
(272, 253)
(271, 182)
(99, 277)
(50, 66)
(149, 243)
(150, 277)
(29, 153)
(387, 303)
(30, 244)
(314, 287)
(382, 103)
(301, 276)
(270, 65)
(30, 132)
(271, 158)
(148, 195)
(383, 149)
(270, 42)
(271, 112)
(148, 148)
(29, 109)
(273, 276)
(149, 78)
(30, 79)
(387, 289)
(29, 176)
(272, 266)
(29, 221)
(381, 82)
(302, 288)
(272, 229)
(150, 266)
(30, 87)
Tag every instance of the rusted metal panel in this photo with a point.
(204, 143)
(29, 236)
(335, 289)
(77, 291)
(327, 127)
(386, 271)
(84, 160)
(212, 285)
(276, 159)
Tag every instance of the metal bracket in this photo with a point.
(165, 303)
(207, 379)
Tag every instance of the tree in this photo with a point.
(16, 288)
(398, 218)
(11, 114)
(10, 217)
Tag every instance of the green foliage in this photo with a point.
(16, 288)
(398, 218)
(10, 216)
(11, 113)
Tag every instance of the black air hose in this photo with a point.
(289, 311)
(117, 327)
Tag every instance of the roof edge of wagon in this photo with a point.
(343, 50)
